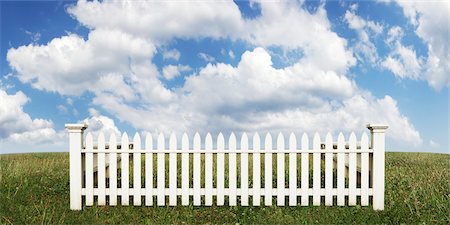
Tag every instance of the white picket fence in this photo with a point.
(108, 171)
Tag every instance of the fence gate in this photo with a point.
(330, 172)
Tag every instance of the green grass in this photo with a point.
(34, 188)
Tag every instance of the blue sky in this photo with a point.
(240, 66)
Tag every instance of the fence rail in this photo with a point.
(342, 172)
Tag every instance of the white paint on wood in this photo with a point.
(124, 159)
(160, 179)
(220, 169)
(341, 170)
(244, 170)
(268, 171)
(256, 170)
(197, 176)
(75, 167)
(173, 171)
(113, 170)
(316, 170)
(378, 144)
(364, 171)
(101, 167)
(292, 170)
(280, 170)
(232, 170)
(148, 170)
(208, 170)
(328, 170)
(185, 169)
(352, 170)
(89, 171)
(137, 170)
(305, 171)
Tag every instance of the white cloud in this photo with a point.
(231, 54)
(171, 54)
(16, 126)
(205, 57)
(99, 123)
(431, 20)
(171, 71)
(364, 47)
(114, 63)
(403, 62)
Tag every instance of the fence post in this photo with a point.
(377, 133)
(75, 146)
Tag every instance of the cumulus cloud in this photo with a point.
(115, 64)
(171, 71)
(99, 123)
(171, 54)
(17, 126)
(364, 47)
(431, 20)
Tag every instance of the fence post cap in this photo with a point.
(377, 127)
(73, 127)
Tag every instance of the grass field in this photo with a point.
(34, 189)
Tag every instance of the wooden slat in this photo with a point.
(352, 170)
(197, 175)
(232, 170)
(316, 170)
(364, 170)
(280, 171)
(244, 170)
(208, 170)
(268, 171)
(125, 171)
(305, 171)
(292, 170)
(173, 171)
(160, 179)
(341, 170)
(220, 170)
(89, 171)
(148, 170)
(101, 167)
(256, 170)
(113, 170)
(185, 169)
(137, 170)
(328, 170)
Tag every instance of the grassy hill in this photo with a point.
(34, 188)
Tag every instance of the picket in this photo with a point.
(89, 170)
(316, 170)
(160, 177)
(208, 170)
(220, 169)
(137, 170)
(329, 170)
(124, 158)
(232, 171)
(256, 170)
(101, 170)
(364, 170)
(352, 170)
(185, 170)
(280, 170)
(341, 170)
(102, 160)
(197, 163)
(244, 170)
(268, 170)
(173, 170)
(292, 170)
(148, 170)
(113, 170)
(305, 171)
